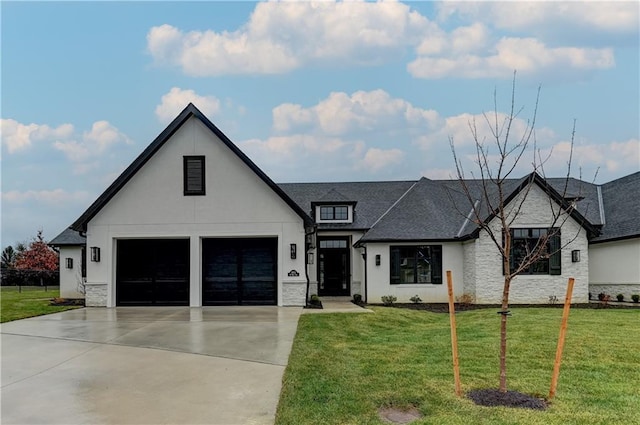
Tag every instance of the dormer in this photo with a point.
(333, 207)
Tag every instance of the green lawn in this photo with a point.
(32, 301)
(343, 367)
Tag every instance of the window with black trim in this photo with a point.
(416, 264)
(525, 241)
(334, 212)
(194, 175)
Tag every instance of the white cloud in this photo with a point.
(282, 36)
(92, 144)
(538, 17)
(362, 111)
(526, 55)
(49, 197)
(17, 136)
(614, 158)
(376, 159)
(177, 99)
(459, 128)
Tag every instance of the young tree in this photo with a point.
(38, 256)
(493, 195)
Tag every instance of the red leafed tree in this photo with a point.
(38, 256)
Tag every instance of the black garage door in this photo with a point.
(152, 272)
(239, 271)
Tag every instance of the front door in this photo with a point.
(334, 275)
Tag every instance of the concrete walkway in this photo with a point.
(153, 365)
(337, 305)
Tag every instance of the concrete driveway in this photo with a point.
(146, 365)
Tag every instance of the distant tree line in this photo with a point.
(35, 264)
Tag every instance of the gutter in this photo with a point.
(366, 287)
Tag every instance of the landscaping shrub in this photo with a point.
(635, 298)
(314, 299)
(357, 299)
(416, 299)
(620, 297)
(388, 299)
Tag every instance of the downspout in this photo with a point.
(366, 288)
(306, 265)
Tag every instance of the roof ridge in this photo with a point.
(394, 204)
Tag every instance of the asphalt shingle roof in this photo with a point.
(621, 200)
(439, 209)
(373, 198)
(68, 237)
(424, 213)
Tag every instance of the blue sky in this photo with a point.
(311, 92)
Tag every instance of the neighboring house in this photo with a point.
(193, 221)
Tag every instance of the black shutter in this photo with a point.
(395, 265)
(194, 175)
(436, 269)
(555, 262)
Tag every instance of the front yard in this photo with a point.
(32, 301)
(344, 367)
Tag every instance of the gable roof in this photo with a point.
(334, 197)
(440, 210)
(621, 207)
(190, 111)
(563, 201)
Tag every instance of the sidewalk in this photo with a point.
(336, 305)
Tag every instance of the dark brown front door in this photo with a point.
(334, 275)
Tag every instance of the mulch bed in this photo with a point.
(493, 397)
(444, 308)
(66, 301)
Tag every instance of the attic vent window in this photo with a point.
(194, 175)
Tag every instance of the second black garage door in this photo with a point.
(239, 271)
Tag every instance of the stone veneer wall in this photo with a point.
(293, 293)
(356, 288)
(95, 295)
(533, 289)
(469, 276)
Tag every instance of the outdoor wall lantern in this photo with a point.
(310, 258)
(377, 259)
(95, 254)
(69, 263)
(294, 251)
(575, 256)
